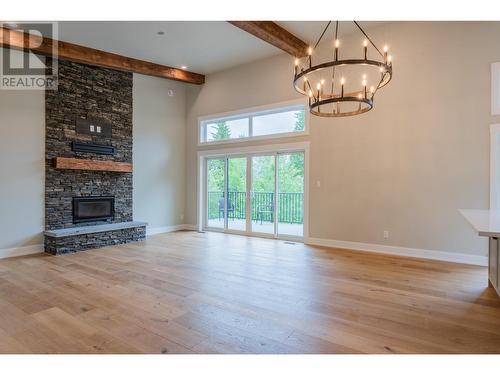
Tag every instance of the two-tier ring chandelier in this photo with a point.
(325, 81)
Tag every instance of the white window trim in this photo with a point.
(246, 151)
(495, 88)
(243, 113)
(494, 167)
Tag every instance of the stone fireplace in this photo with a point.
(88, 151)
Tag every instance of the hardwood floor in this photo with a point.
(188, 292)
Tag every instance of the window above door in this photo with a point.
(276, 121)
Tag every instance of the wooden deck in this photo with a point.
(187, 292)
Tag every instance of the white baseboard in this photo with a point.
(36, 249)
(403, 251)
(373, 248)
(23, 250)
(171, 228)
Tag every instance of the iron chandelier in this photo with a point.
(336, 98)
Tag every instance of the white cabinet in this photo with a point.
(494, 263)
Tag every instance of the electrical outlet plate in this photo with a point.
(95, 127)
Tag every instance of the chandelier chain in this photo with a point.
(333, 69)
(310, 88)
(323, 33)
(367, 37)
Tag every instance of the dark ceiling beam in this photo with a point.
(274, 34)
(73, 52)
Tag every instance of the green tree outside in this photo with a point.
(300, 121)
(291, 167)
(222, 131)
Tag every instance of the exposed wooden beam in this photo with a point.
(274, 34)
(73, 52)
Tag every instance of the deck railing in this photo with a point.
(290, 206)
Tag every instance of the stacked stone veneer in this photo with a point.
(71, 244)
(88, 92)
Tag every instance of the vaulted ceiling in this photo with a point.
(201, 46)
(180, 50)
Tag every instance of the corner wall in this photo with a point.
(159, 149)
(22, 165)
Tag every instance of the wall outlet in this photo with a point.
(386, 234)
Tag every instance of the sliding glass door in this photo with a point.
(216, 186)
(263, 194)
(290, 204)
(260, 194)
(237, 193)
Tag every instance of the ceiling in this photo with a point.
(310, 31)
(202, 46)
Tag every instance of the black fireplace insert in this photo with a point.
(93, 209)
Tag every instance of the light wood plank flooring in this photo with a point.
(188, 292)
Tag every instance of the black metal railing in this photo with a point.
(290, 206)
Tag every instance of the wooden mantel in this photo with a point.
(92, 165)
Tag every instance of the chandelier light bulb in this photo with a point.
(322, 82)
(385, 54)
(389, 58)
(310, 93)
(337, 43)
(318, 86)
(363, 82)
(305, 79)
(360, 96)
(342, 80)
(296, 67)
(365, 49)
(310, 51)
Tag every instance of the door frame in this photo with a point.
(203, 155)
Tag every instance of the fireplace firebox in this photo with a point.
(86, 209)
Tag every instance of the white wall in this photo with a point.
(159, 152)
(22, 168)
(408, 165)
